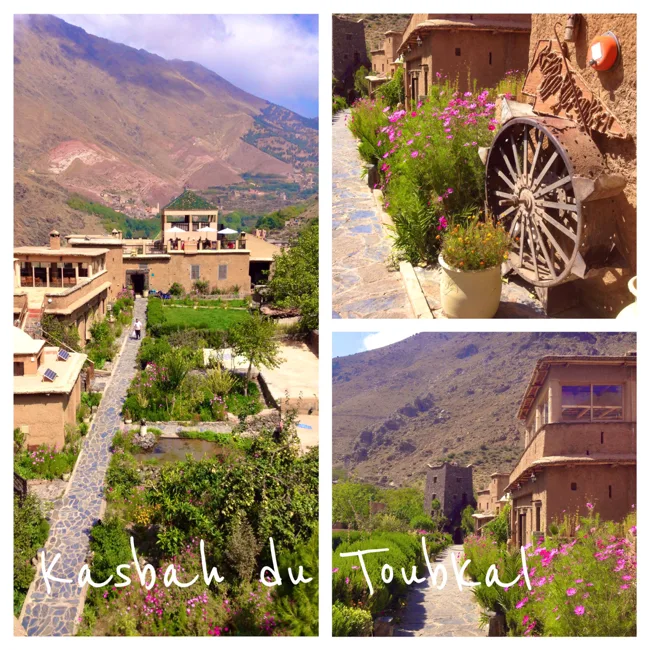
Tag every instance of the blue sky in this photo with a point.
(272, 56)
(346, 343)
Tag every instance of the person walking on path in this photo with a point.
(137, 328)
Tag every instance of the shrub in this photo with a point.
(176, 289)
(202, 286)
(30, 532)
(350, 621)
(220, 381)
(392, 92)
(56, 332)
(44, 462)
(428, 161)
(475, 246)
(360, 81)
(122, 475)
(422, 522)
(338, 104)
(111, 547)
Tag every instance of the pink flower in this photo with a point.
(410, 142)
(386, 109)
(415, 154)
(579, 610)
(521, 603)
(490, 127)
(590, 506)
(335, 570)
(571, 591)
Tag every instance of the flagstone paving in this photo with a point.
(57, 613)
(431, 611)
(363, 284)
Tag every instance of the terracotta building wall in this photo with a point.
(45, 417)
(484, 57)
(452, 486)
(162, 272)
(607, 293)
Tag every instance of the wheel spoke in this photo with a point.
(531, 243)
(550, 188)
(516, 157)
(538, 180)
(558, 225)
(510, 169)
(504, 195)
(526, 155)
(522, 234)
(512, 225)
(507, 180)
(552, 239)
(507, 212)
(542, 245)
(538, 148)
(558, 206)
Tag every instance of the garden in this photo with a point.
(396, 522)
(432, 177)
(253, 489)
(175, 383)
(583, 578)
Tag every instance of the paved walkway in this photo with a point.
(363, 285)
(57, 614)
(431, 611)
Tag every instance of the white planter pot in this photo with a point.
(631, 310)
(469, 294)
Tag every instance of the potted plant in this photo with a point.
(127, 417)
(471, 258)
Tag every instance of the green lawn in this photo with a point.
(216, 319)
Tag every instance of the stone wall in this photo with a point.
(452, 486)
(348, 53)
(607, 292)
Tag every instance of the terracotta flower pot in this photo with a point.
(469, 294)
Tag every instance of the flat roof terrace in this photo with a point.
(67, 373)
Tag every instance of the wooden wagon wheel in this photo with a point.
(530, 190)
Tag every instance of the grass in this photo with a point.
(215, 319)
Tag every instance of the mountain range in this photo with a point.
(129, 129)
(443, 396)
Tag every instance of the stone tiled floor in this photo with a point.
(56, 614)
(363, 285)
(431, 611)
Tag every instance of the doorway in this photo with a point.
(138, 281)
(522, 529)
(414, 88)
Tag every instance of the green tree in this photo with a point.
(56, 332)
(467, 521)
(254, 340)
(350, 502)
(295, 280)
(360, 81)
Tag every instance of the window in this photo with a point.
(574, 486)
(592, 402)
(538, 518)
(348, 37)
(542, 411)
(457, 51)
(19, 371)
(490, 58)
(458, 479)
(610, 488)
(223, 271)
(382, 67)
(345, 57)
(83, 270)
(195, 272)
(435, 480)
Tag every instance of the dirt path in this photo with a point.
(363, 285)
(57, 613)
(431, 611)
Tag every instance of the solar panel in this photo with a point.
(64, 355)
(50, 375)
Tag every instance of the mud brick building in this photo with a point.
(452, 486)
(349, 53)
(580, 443)
(467, 47)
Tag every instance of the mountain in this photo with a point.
(130, 129)
(451, 396)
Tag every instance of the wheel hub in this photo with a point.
(526, 200)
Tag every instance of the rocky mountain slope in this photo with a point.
(131, 129)
(449, 396)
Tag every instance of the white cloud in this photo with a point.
(272, 56)
(382, 339)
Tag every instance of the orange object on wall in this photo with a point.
(603, 51)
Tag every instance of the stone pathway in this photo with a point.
(57, 613)
(363, 285)
(445, 612)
